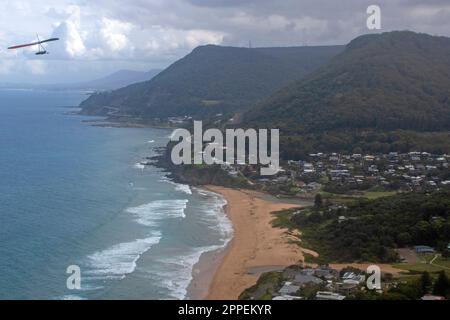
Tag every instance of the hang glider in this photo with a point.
(39, 43)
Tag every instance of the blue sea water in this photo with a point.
(75, 194)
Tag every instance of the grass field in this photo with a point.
(378, 194)
(424, 264)
(345, 199)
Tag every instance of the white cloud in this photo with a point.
(162, 40)
(114, 33)
(85, 38)
(153, 33)
(71, 40)
(195, 38)
(36, 67)
(6, 66)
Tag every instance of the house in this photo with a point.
(337, 207)
(352, 278)
(313, 186)
(308, 168)
(308, 272)
(339, 174)
(393, 155)
(287, 297)
(431, 297)
(431, 183)
(294, 163)
(288, 288)
(348, 275)
(354, 281)
(325, 295)
(301, 280)
(346, 288)
(423, 249)
(326, 272)
(333, 158)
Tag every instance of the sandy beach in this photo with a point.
(256, 245)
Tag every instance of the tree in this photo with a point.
(318, 202)
(404, 238)
(425, 283)
(442, 285)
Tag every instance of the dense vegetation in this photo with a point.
(374, 228)
(418, 287)
(212, 80)
(385, 91)
(266, 287)
(294, 147)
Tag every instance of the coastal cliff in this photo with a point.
(198, 174)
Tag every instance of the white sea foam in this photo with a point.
(177, 273)
(72, 297)
(151, 141)
(223, 224)
(139, 166)
(185, 188)
(119, 260)
(152, 213)
(115, 262)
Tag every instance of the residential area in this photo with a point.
(349, 283)
(351, 174)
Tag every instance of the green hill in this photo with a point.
(384, 91)
(374, 228)
(211, 80)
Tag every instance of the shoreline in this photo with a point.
(256, 247)
(206, 267)
(238, 262)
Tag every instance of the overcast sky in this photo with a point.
(101, 36)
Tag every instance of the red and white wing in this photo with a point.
(24, 45)
(33, 43)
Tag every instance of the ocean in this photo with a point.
(72, 194)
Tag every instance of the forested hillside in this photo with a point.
(212, 80)
(385, 90)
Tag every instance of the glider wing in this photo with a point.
(33, 43)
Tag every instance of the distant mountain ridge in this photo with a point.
(112, 81)
(383, 91)
(119, 79)
(211, 80)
